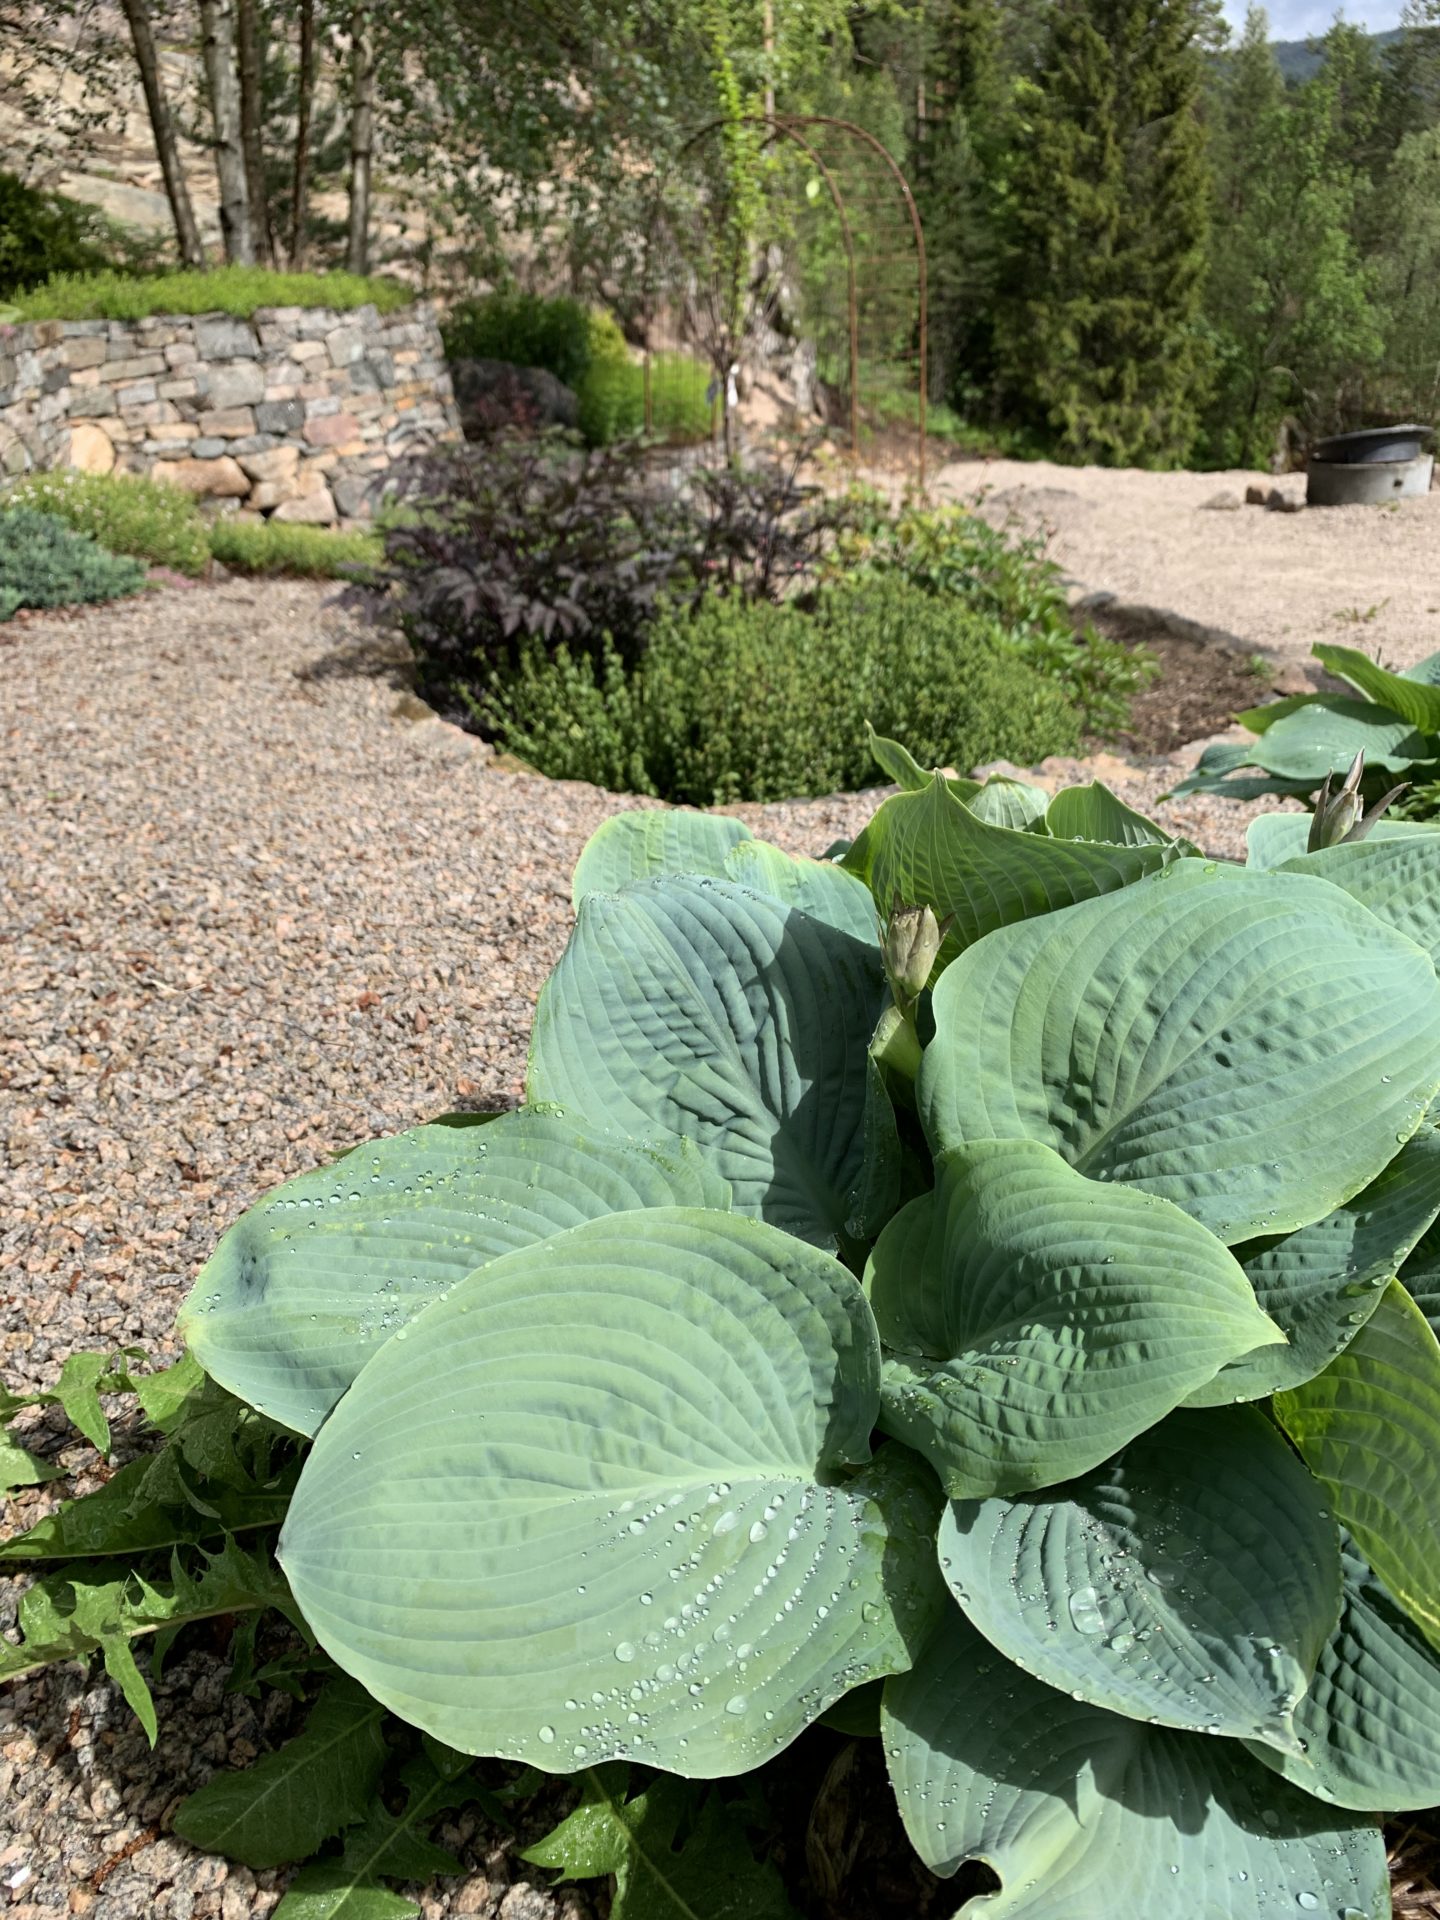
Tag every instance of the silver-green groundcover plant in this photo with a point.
(969, 1266)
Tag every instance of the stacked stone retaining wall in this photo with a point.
(295, 413)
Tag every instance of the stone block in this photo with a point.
(137, 394)
(177, 389)
(305, 350)
(332, 430)
(207, 449)
(238, 384)
(91, 402)
(322, 404)
(179, 430)
(90, 449)
(308, 510)
(352, 495)
(226, 339)
(280, 463)
(184, 353)
(345, 346)
(229, 423)
(211, 479)
(129, 365)
(267, 494)
(84, 352)
(279, 416)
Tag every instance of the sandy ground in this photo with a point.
(1367, 577)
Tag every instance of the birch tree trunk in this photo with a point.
(217, 26)
(252, 118)
(362, 134)
(187, 233)
(300, 196)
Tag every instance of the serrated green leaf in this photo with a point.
(1321, 1283)
(729, 1020)
(290, 1802)
(172, 1396)
(1416, 701)
(645, 845)
(1190, 1582)
(309, 1283)
(77, 1391)
(1089, 1816)
(932, 849)
(89, 1607)
(1368, 1428)
(1370, 1722)
(713, 1875)
(1185, 1035)
(21, 1469)
(387, 1846)
(1035, 1321)
(654, 1503)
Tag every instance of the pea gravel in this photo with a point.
(256, 904)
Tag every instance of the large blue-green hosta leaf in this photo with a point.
(1321, 1283)
(1370, 1720)
(1093, 812)
(733, 1021)
(1273, 839)
(1324, 734)
(932, 849)
(1417, 701)
(1189, 1582)
(598, 1503)
(1397, 878)
(644, 845)
(1035, 1320)
(315, 1277)
(1252, 1046)
(1369, 1430)
(1002, 801)
(1084, 1815)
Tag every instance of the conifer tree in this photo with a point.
(1110, 210)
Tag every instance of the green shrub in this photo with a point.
(954, 553)
(123, 512)
(45, 563)
(749, 701)
(612, 399)
(314, 553)
(42, 234)
(234, 290)
(562, 335)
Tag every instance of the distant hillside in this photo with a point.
(1299, 60)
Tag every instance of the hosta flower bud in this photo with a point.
(912, 942)
(1339, 816)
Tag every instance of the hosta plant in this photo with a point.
(974, 1288)
(1393, 719)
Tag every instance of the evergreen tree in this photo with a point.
(1110, 208)
(1289, 296)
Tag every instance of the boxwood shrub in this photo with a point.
(744, 700)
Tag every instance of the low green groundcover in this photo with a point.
(972, 1294)
(45, 563)
(234, 290)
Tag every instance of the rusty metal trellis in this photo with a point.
(877, 365)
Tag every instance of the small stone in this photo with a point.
(1256, 496)
(308, 510)
(1223, 502)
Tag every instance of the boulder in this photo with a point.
(491, 394)
(91, 449)
(275, 464)
(219, 478)
(308, 510)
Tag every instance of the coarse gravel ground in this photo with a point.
(254, 907)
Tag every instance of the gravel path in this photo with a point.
(254, 910)
(1366, 577)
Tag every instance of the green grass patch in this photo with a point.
(122, 512)
(234, 290)
(312, 553)
(612, 399)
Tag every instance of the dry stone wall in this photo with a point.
(295, 413)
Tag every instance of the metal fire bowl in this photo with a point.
(1333, 483)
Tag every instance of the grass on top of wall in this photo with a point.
(233, 290)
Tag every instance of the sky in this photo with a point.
(1298, 19)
